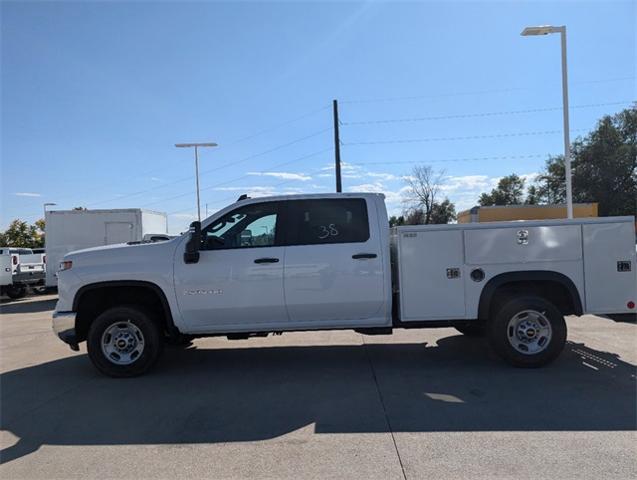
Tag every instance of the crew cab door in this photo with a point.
(334, 273)
(238, 282)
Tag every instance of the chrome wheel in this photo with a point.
(122, 343)
(529, 332)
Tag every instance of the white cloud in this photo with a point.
(284, 175)
(27, 194)
(155, 179)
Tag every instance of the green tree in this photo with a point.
(21, 234)
(509, 191)
(604, 167)
(395, 221)
(444, 212)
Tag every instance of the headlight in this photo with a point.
(65, 265)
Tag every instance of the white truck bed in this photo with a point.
(433, 263)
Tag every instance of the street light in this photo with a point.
(545, 30)
(49, 204)
(196, 146)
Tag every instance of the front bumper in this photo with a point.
(64, 328)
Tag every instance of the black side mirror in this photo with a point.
(191, 255)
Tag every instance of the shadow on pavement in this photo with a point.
(28, 305)
(247, 394)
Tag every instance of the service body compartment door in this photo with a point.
(430, 268)
(523, 244)
(609, 267)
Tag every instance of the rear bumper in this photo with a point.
(64, 328)
(29, 278)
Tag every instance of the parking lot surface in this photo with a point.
(416, 404)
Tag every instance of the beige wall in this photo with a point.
(528, 212)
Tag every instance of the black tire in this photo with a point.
(477, 329)
(16, 291)
(150, 334)
(500, 331)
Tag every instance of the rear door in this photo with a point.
(333, 264)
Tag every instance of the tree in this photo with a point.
(510, 191)
(424, 186)
(444, 212)
(395, 221)
(604, 167)
(21, 234)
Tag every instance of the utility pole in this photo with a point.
(337, 148)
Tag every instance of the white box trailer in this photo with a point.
(70, 230)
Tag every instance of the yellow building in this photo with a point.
(500, 213)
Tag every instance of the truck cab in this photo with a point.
(330, 261)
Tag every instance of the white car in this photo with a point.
(321, 262)
(27, 270)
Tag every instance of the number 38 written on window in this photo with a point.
(327, 231)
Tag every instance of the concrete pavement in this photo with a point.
(417, 404)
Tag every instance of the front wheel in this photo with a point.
(528, 331)
(124, 342)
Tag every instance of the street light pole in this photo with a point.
(545, 30)
(196, 147)
(48, 204)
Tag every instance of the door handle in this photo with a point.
(266, 260)
(360, 256)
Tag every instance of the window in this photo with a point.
(314, 222)
(250, 226)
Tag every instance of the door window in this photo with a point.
(250, 226)
(313, 222)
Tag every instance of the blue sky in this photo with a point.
(95, 94)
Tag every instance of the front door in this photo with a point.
(237, 284)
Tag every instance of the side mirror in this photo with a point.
(191, 255)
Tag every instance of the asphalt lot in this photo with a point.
(418, 404)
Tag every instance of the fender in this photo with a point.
(527, 276)
(170, 324)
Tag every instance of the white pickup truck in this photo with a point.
(320, 262)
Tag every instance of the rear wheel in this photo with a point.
(527, 331)
(16, 291)
(124, 342)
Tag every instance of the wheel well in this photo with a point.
(92, 300)
(556, 288)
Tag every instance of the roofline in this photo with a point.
(110, 210)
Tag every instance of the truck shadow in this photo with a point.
(248, 394)
(27, 305)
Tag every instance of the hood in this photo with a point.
(123, 252)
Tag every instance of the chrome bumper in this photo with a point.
(64, 328)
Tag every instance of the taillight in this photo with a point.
(631, 304)
(43, 258)
(15, 260)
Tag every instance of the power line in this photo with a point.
(311, 172)
(476, 92)
(462, 159)
(468, 137)
(480, 114)
(229, 164)
(181, 195)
